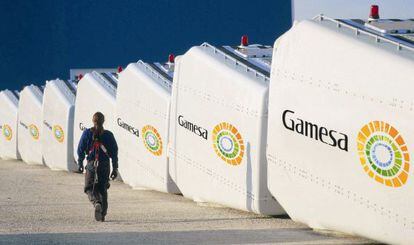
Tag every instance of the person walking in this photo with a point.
(99, 146)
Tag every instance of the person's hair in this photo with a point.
(98, 120)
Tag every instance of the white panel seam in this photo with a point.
(211, 98)
(216, 176)
(339, 190)
(334, 87)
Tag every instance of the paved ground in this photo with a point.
(40, 206)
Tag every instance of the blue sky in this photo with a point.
(305, 9)
(43, 39)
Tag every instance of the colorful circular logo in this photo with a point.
(58, 133)
(228, 143)
(384, 154)
(152, 140)
(7, 132)
(34, 131)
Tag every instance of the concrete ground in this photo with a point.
(40, 206)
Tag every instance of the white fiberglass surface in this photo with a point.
(57, 126)
(345, 120)
(29, 126)
(218, 131)
(9, 102)
(143, 135)
(94, 94)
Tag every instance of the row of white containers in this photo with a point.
(44, 124)
(200, 127)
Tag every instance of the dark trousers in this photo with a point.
(97, 192)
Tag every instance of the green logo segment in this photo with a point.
(228, 143)
(152, 140)
(383, 153)
(58, 133)
(7, 132)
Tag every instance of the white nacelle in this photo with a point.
(74, 73)
(218, 127)
(143, 103)
(340, 131)
(9, 104)
(30, 125)
(57, 127)
(96, 92)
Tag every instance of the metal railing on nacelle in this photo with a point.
(236, 62)
(358, 31)
(165, 81)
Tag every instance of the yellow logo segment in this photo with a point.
(34, 131)
(152, 140)
(383, 153)
(58, 133)
(228, 143)
(7, 132)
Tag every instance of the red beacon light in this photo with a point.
(171, 58)
(80, 77)
(119, 69)
(244, 40)
(374, 13)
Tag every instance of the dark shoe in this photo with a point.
(98, 212)
(103, 218)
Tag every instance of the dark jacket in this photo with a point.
(86, 144)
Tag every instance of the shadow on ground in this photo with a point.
(171, 237)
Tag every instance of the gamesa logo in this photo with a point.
(228, 143)
(152, 140)
(34, 131)
(196, 129)
(7, 132)
(314, 131)
(127, 127)
(58, 133)
(383, 153)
